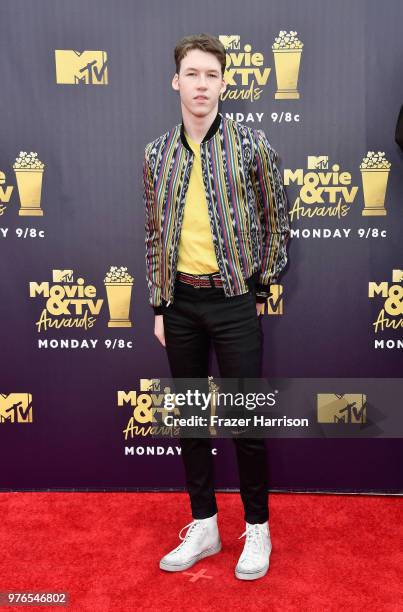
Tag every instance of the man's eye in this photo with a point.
(213, 75)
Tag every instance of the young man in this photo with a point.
(216, 235)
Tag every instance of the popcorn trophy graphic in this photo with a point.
(29, 172)
(374, 172)
(119, 283)
(287, 51)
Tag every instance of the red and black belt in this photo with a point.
(200, 281)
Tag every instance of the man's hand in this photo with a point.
(259, 308)
(159, 328)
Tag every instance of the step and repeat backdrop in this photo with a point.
(86, 84)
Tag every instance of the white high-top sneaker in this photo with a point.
(201, 540)
(255, 558)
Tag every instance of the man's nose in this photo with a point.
(202, 81)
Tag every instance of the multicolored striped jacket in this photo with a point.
(247, 207)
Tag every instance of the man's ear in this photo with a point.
(175, 84)
(223, 86)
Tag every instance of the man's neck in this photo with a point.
(197, 127)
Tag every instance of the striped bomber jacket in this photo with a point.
(246, 200)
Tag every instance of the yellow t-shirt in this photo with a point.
(196, 249)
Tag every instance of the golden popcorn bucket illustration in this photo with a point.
(287, 62)
(374, 183)
(119, 297)
(29, 184)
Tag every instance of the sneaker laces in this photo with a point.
(190, 532)
(254, 543)
(191, 529)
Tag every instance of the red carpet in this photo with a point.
(330, 552)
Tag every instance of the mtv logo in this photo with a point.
(150, 384)
(62, 276)
(349, 408)
(16, 408)
(81, 67)
(275, 300)
(232, 41)
(397, 276)
(318, 162)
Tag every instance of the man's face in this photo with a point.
(199, 82)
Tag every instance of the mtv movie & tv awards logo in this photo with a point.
(324, 190)
(247, 71)
(146, 415)
(145, 404)
(70, 302)
(389, 318)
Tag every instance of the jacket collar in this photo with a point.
(211, 131)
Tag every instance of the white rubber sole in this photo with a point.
(179, 567)
(252, 575)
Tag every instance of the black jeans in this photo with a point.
(196, 319)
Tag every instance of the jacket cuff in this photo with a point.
(158, 310)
